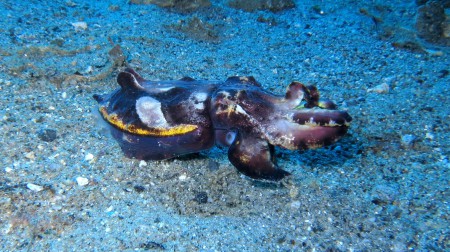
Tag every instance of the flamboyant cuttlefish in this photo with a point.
(155, 120)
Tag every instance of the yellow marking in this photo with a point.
(157, 131)
(231, 109)
(245, 158)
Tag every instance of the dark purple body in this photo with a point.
(155, 120)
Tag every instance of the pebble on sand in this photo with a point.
(383, 88)
(89, 157)
(34, 187)
(80, 26)
(142, 163)
(82, 181)
(408, 140)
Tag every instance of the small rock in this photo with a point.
(47, 135)
(80, 26)
(58, 42)
(394, 211)
(71, 4)
(82, 181)
(89, 70)
(56, 207)
(89, 157)
(182, 6)
(429, 136)
(293, 192)
(443, 73)
(197, 29)
(380, 89)
(408, 140)
(212, 165)
(114, 7)
(431, 22)
(435, 53)
(30, 155)
(201, 197)
(384, 195)
(296, 204)
(151, 245)
(109, 209)
(254, 5)
(142, 163)
(35, 188)
(139, 188)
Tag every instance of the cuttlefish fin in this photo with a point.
(137, 76)
(128, 81)
(254, 157)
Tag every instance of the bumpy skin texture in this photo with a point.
(155, 120)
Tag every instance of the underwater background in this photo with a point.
(65, 185)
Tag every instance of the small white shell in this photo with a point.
(383, 88)
(80, 26)
(82, 181)
(33, 187)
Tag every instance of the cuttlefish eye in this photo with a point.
(230, 136)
